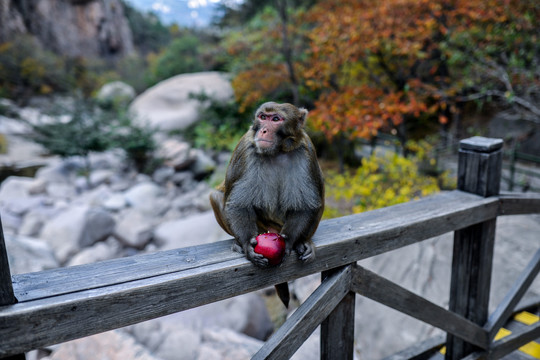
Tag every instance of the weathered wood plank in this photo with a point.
(421, 351)
(292, 334)
(337, 330)
(375, 287)
(479, 165)
(91, 276)
(479, 172)
(6, 289)
(136, 297)
(475, 355)
(338, 242)
(514, 341)
(519, 203)
(471, 280)
(507, 305)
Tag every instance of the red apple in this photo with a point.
(271, 246)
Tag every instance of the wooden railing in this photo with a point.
(53, 306)
(513, 156)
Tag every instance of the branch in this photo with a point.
(515, 99)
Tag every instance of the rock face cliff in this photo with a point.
(88, 28)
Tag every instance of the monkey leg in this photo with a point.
(299, 227)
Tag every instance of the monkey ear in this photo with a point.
(302, 117)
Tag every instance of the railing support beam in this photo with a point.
(6, 288)
(479, 172)
(337, 330)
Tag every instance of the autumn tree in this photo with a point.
(400, 63)
(370, 60)
(404, 66)
(267, 53)
(493, 50)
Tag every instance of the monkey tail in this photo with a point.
(283, 293)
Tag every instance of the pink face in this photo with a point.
(269, 123)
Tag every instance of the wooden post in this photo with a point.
(6, 288)
(513, 166)
(337, 330)
(479, 172)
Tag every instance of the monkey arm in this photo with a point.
(244, 230)
(237, 164)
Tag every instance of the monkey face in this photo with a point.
(277, 127)
(266, 130)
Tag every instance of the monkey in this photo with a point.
(273, 183)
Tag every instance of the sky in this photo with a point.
(182, 12)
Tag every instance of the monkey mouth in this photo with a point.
(263, 143)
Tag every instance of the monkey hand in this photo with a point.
(305, 251)
(255, 258)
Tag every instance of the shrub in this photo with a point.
(85, 131)
(381, 181)
(26, 69)
(179, 57)
(90, 129)
(138, 143)
(220, 126)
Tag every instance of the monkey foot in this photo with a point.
(237, 248)
(305, 252)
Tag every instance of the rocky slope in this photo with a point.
(88, 28)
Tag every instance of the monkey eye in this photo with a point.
(263, 117)
(276, 118)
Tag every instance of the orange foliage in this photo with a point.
(371, 64)
(252, 85)
(377, 62)
(362, 56)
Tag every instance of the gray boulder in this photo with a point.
(147, 197)
(193, 230)
(115, 202)
(203, 165)
(116, 93)
(246, 314)
(36, 217)
(15, 187)
(163, 175)
(111, 345)
(77, 227)
(134, 229)
(230, 327)
(61, 171)
(176, 154)
(168, 106)
(100, 251)
(228, 344)
(26, 254)
(15, 201)
(180, 344)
